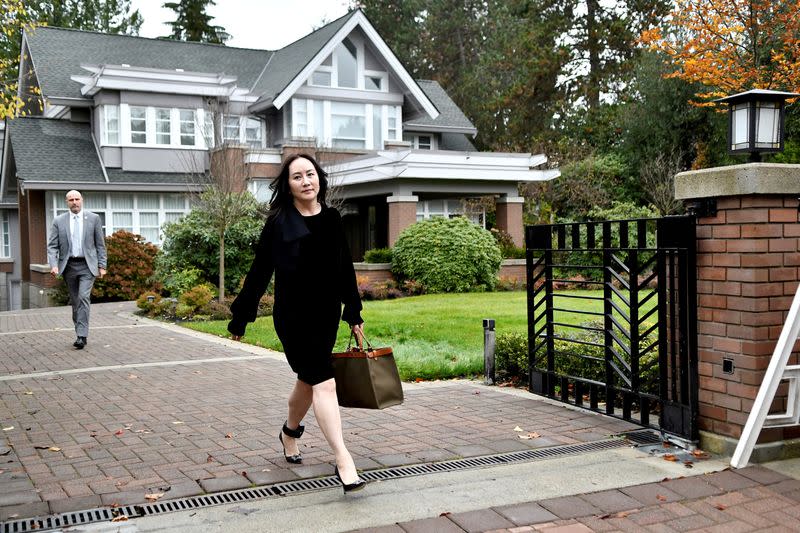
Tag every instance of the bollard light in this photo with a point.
(151, 299)
(755, 122)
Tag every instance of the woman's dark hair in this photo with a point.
(282, 195)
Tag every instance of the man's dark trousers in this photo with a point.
(79, 280)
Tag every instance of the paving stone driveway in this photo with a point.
(150, 408)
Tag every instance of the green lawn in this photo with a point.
(433, 336)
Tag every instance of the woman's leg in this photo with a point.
(299, 403)
(326, 410)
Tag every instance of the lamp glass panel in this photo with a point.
(740, 128)
(767, 124)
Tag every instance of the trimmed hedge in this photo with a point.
(447, 255)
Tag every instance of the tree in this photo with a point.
(730, 46)
(14, 19)
(400, 24)
(16, 16)
(194, 24)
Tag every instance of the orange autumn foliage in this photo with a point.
(730, 46)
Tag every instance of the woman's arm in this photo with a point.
(245, 307)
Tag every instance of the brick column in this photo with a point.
(402, 213)
(509, 217)
(748, 256)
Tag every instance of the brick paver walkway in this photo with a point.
(750, 499)
(137, 412)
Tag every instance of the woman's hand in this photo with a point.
(358, 331)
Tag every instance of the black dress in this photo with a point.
(314, 276)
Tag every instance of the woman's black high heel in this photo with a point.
(295, 434)
(352, 487)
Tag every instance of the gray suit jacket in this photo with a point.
(94, 244)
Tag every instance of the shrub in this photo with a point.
(511, 355)
(217, 311)
(447, 255)
(177, 282)
(378, 255)
(143, 303)
(506, 283)
(197, 297)
(131, 262)
(191, 242)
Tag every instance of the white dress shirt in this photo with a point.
(77, 244)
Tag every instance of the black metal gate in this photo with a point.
(612, 319)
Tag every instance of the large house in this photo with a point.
(128, 121)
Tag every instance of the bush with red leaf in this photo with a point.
(131, 262)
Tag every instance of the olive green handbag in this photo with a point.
(366, 378)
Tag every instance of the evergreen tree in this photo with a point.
(194, 24)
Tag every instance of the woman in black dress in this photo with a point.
(303, 243)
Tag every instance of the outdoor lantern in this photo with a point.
(755, 123)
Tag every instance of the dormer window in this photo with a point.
(345, 69)
(321, 78)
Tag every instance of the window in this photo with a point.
(187, 118)
(5, 235)
(420, 142)
(299, 117)
(321, 78)
(373, 83)
(252, 132)
(163, 126)
(111, 124)
(260, 189)
(230, 129)
(138, 125)
(346, 61)
(448, 209)
(377, 128)
(143, 214)
(348, 129)
(392, 122)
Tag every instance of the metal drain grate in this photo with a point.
(643, 437)
(308, 485)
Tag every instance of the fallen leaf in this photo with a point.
(266, 470)
(244, 473)
(446, 513)
(127, 426)
(228, 436)
(119, 432)
(721, 506)
(153, 497)
(176, 422)
(532, 435)
(92, 434)
(120, 518)
(29, 393)
(661, 497)
(209, 459)
(54, 449)
(133, 376)
(419, 379)
(700, 454)
(518, 429)
(8, 428)
(477, 392)
(688, 464)
(670, 457)
(666, 444)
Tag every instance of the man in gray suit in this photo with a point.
(76, 249)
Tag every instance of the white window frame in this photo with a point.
(384, 76)
(415, 142)
(5, 234)
(106, 129)
(367, 117)
(424, 212)
(178, 123)
(256, 185)
(324, 132)
(322, 68)
(131, 132)
(170, 125)
(126, 134)
(55, 200)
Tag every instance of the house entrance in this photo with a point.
(612, 317)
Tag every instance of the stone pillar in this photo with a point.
(748, 254)
(509, 217)
(402, 213)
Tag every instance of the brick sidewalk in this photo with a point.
(112, 435)
(750, 499)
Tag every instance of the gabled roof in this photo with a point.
(58, 53)
(450, 118)
(54, 151)
(325, 43)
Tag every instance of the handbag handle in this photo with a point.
(360, 343)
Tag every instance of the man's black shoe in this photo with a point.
(80, 343)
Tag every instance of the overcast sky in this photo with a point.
(263, 24)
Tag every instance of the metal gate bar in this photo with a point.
(638, 358)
